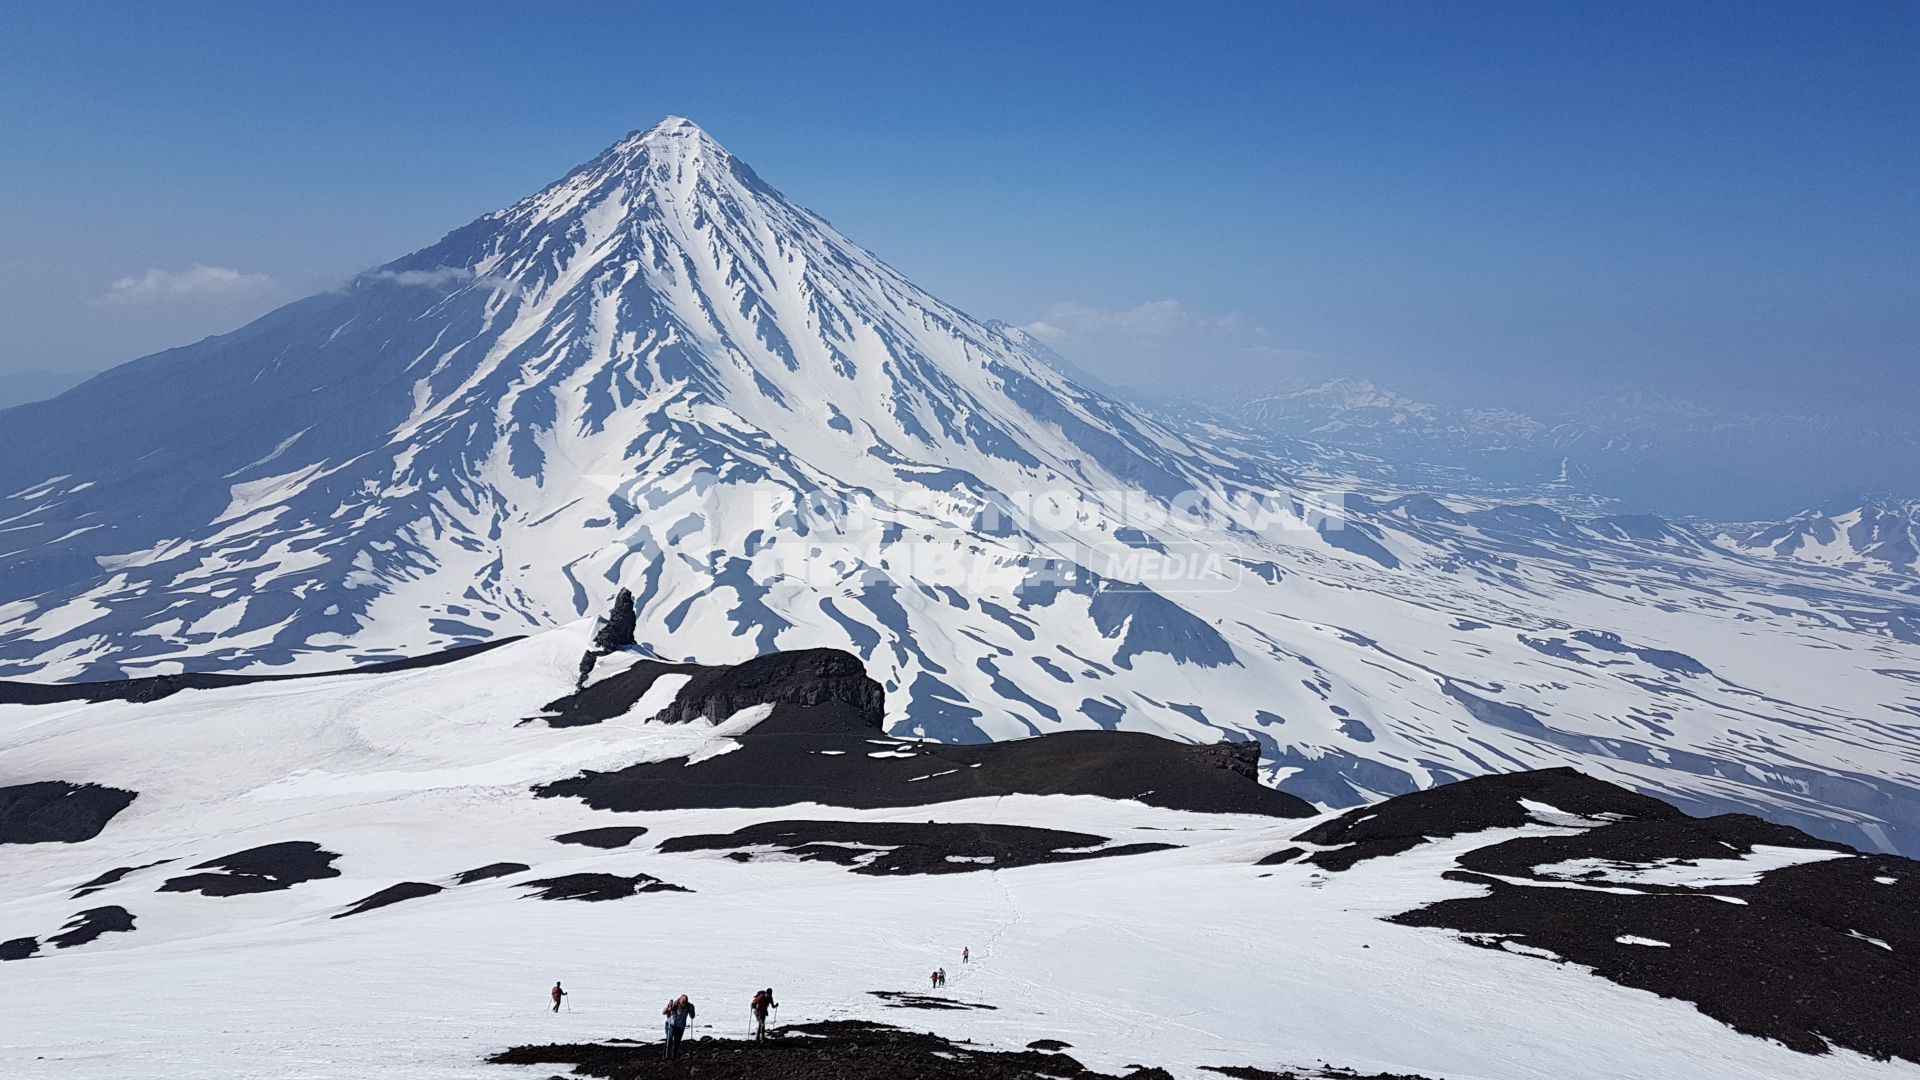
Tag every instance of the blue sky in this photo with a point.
(1507, 203)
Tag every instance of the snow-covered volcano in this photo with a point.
(660, 374)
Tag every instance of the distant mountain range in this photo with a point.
(1647, 450)
(1875, 533)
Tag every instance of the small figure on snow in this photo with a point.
(677, 1012)
(763, 1003)
(557, 995)
(966, 954)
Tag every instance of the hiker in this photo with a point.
(762, 1003)
(940, 978)
(557, 995)
(677, 1012)
(966, 954)
(933, 981)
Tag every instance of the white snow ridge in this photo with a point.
(660, 375)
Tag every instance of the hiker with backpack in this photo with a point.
(557, 994)
(763, 1003)
(940, 978)
(677, 1012)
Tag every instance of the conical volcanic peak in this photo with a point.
(658, 374)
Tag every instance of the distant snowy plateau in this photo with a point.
(932, 644)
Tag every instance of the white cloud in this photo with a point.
(441, 277)
(1159, 342)
(1164, 347)
(1156, 320)
(197, 281)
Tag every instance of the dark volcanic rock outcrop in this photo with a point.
(1815, 955)
(616, 631)
(1468, 806)
(491, 870)
(812, 678)
(609, 837)
(392, 894)
(18, 948)
(824, 742)
(901, 999)
(89, 925)
(829, 1050)
(612, 696)
(1760, 926)
(113, 877)
(57, 812)
(262, 869)
(910, 847)
(597, 887)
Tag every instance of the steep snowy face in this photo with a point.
(658, 374)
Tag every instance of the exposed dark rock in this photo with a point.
(1049, 1045)
(1679, 839)
(57, 812)
(491, 870)
(810, 678)
(612, 696)
(912, 847)
(1323, 1073)
(90, 924)
(113, 877)
(824, 742)
(155, 687)
(611, 836)
(1284, 855)
(1475, 805)
(829, 1050)
(1815, 955)
(900, 999)
(616, 631)
(18, 948)
(392, 894)
(594, 887)
(261, 869)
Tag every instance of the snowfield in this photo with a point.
(1182, 958)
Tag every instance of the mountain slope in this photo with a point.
(349, 876)
(660, 374)
(1880, 533)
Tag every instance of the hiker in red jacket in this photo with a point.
(762, 1004)
(557, 995)
(966, 954)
